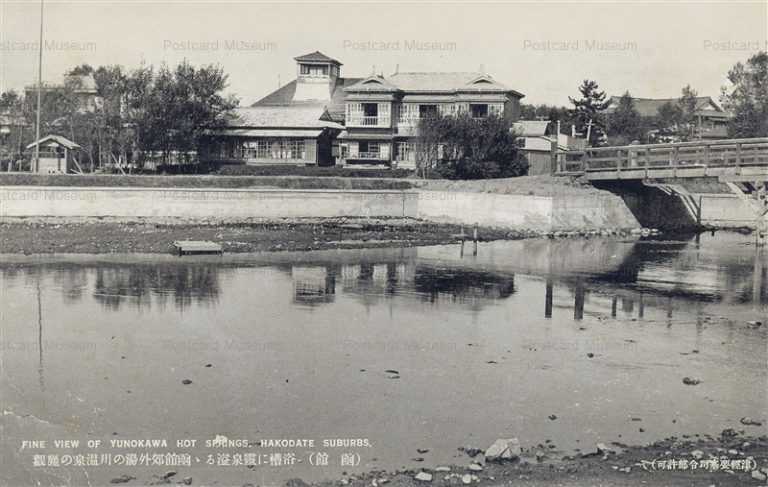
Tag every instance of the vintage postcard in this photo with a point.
(383, 243)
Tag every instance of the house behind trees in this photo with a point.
(324, 118)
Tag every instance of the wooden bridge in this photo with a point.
(741, 164)
(732, 160)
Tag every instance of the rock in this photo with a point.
(423, 477)
(169, 474)
(758, 475)
(590, 354)
(750, 422)
(422, 450)
(690, 381)
(697, 454)
(187, 481)
(186, 382)
(475, 467)
(540, 456)
(625, 469)
(122, 479)
(552, 417)
(755, 323)
(601, 448)
(472, 452)
(503, 450)
(442, 469)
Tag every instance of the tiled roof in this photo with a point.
(649, 107)
(374, 83)
(294, 116)
(283, 96)
(317, 56)
(447, 82)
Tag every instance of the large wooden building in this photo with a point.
(323, 118)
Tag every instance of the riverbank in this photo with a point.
(105, 235)
(613, 465)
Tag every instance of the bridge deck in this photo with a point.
(728, 160)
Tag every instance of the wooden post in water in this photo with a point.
(548, 300)
(474, 239)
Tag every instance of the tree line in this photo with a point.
(136, 116)
(745, 97)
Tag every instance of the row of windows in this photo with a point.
(265, 148)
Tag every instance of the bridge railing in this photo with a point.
(730, 152)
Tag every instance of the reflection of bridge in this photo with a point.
(741, 164)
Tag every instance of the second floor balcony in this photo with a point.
(369, 121)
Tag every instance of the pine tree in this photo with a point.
(589, 110)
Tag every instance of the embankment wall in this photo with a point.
(543, 213)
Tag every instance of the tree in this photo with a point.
(668, 116)
(462, 147)
(10, 101)
(747, 97)
(172, 109)
(625, 121)
(588, 111)
(688, 106)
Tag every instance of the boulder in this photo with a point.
(423, 477)
(503, 450)
(758, 475)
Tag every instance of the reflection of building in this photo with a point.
(314, 285)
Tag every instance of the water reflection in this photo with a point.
(645, 273)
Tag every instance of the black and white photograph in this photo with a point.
(436, 243)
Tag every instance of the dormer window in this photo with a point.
(314, 70)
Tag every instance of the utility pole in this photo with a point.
(39, 90)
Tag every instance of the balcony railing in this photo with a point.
(368, 155)
(367, 121)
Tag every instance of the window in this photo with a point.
(370, 109)
(479, 110)
(314, 70)
(369, 147)
(265, 148)
(406, 151)
(427, 111)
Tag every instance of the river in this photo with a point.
(418, 351)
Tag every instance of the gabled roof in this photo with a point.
(62, 141)
(293, 116)
(649, 107)
(448, 82)
(317, 57)
(372, 84)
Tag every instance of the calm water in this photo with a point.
(299, 345)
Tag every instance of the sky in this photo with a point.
(542, 49)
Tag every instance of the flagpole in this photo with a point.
(39, 89)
